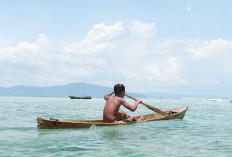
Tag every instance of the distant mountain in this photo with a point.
(87, 89)
(74, 89)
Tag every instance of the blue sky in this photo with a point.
(150, 46)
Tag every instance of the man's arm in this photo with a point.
(130, 107)
(108, 94)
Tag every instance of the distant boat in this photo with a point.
(80, 97)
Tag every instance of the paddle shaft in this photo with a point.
(150, 107)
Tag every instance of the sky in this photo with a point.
(182, 46)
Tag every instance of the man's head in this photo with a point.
(119, 89)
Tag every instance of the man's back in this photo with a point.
(113, 103)
(111, 109)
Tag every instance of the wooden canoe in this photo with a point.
(176, 113)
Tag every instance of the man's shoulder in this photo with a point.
(116, 98)
(119, 99)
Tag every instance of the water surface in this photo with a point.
(206, 129)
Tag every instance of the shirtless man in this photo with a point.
(111, 111)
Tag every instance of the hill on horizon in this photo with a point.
(71, 89)
(87, 89)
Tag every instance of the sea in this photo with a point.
(206, 129)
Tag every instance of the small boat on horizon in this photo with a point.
(81, 97)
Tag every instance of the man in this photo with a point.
(111, 111)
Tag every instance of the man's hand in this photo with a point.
(138, 101)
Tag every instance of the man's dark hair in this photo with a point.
(119, 88)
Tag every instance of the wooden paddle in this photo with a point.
(150, 107)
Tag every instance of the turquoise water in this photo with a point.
(206, 129)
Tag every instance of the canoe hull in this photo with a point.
(177, 113)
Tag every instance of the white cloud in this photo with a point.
(189, 8)
(142, 30)
(43, 40)
(142, 63)
(211, 60)
(96, 40)
(101, 31)
(154, 72)
(18, 53)
(167, 73)
(38, 61)
(212, 49)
